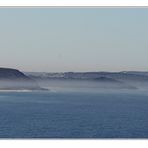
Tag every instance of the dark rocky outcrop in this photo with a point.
(13, 79)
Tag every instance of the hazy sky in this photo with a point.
(72, 39)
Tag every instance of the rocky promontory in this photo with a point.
(13, 79)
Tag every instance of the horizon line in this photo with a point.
(76, 71)
(88, 71)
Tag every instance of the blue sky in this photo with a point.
(74, 39)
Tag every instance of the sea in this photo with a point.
(74, 112)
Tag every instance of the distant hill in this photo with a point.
(14, 79)
(131, 79)
(105, 79)
(120, 76)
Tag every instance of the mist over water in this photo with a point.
(91, 86)
(18, 84)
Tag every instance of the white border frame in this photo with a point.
(73, 2)
(74, 143)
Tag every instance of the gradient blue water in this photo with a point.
(74, 114)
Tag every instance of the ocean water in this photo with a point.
(74, 114)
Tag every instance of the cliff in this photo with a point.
(13, 79)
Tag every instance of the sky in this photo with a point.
(74, 39)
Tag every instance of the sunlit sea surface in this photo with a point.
(74, 112)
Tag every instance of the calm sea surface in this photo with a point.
(73, 114)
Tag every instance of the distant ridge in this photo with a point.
(132, 76)
(131, 79)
